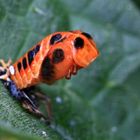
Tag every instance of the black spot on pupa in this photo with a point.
(87, 35)
(30, 56)
(36, 49)
(55, 38)
(58, 56)
(78, 43)
(32, 53)
(19, 66)
(24, 63)
(47, 69)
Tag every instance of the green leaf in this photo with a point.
(7, 133)
(102, 101)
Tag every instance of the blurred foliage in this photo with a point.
(102, 101)
(137, 2)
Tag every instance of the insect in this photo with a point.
(58, 55)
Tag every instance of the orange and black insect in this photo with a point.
(58, 55)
